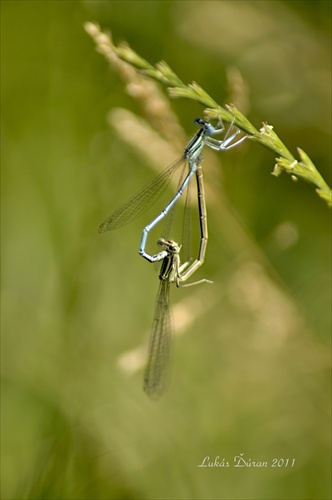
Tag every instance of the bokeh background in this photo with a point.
(251, 366)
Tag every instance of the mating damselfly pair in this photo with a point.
(171, 270)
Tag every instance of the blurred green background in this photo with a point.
(251, 372)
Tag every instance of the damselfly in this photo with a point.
(171, 271)
(147, 196)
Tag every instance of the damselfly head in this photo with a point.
(170, 245)
(200, 122)
(173, 247)
(209, 129)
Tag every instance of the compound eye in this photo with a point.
(173, 247)
(199, 122)
(161, 242)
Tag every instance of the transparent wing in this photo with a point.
(157, 369)
(142, 200)
(171, 214)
